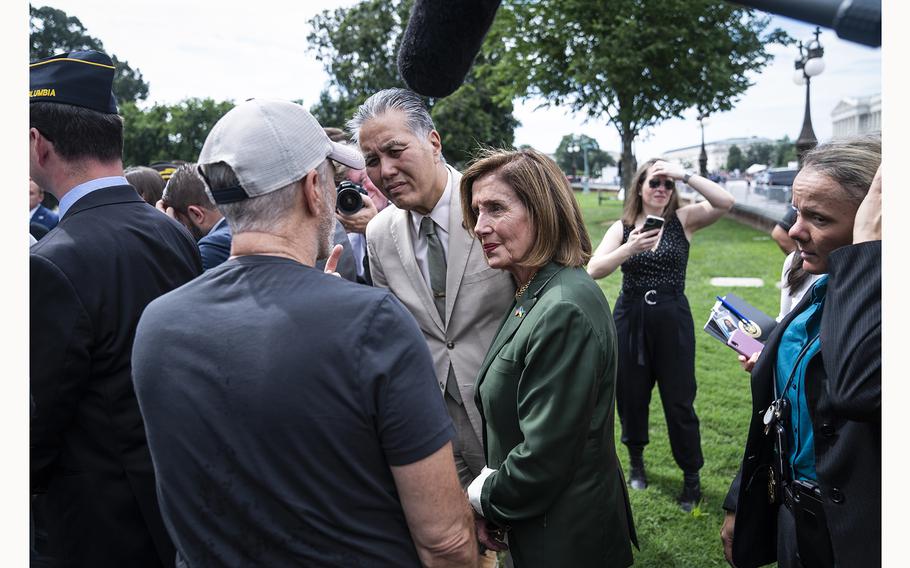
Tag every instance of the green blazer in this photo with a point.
(546, 395)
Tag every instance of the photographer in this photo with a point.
(809, 489)
(652, 315)
(354, 212)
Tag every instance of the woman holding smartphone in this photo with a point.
(654, 324)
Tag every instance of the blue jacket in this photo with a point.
(46, 217)
(215, 247)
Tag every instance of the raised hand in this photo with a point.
(332, 261)
(166, 209)
(867, 226)
(662, 168)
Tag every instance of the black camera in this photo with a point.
(349, 199)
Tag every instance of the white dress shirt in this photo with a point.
(440, 215)
(788, 302)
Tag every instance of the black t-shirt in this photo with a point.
(275, 398)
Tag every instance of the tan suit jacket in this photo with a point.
(477, 296)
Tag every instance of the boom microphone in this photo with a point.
(440, 42)
(443, 36)
(859, 21)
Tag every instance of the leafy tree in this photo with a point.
(357, 46)
(331, 111)
(145, 137)
(735, 159)
(634, 62)
(52, 31)
(570, 156)
(129, 86)
(471, 118)
(760, 154)
(784, 151)
(169, 132)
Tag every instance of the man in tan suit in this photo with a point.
(420, 250)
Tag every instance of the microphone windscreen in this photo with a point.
(440, 43)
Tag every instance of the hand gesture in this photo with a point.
(332, 261)
(640, 242)
(662, 168)
(160, 205)
(867, 226)
(357, 222)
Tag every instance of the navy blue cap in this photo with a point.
(80, 78)
(165, 169)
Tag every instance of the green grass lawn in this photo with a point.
(668, 536)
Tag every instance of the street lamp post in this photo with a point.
(703, 157)
(585, 185)
(808, 65)
(581, 144)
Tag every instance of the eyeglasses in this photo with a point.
(669, 184)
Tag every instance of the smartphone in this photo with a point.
(652, 222)
(744, 344)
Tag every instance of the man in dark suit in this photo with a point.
(809, 489)
(38, 213)
(90, 279)
(185, 200)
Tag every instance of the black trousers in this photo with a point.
(657, 344)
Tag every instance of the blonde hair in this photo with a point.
(632, 204)
(544, 191)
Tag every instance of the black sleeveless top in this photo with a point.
(664, 269)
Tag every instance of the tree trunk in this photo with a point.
(629, 164)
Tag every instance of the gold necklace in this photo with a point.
(524, 287)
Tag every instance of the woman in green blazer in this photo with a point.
(546, 388)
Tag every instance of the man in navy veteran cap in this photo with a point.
(90, 279)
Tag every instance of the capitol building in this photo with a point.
(857, 115)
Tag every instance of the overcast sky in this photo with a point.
(258, 49)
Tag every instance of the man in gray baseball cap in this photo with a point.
(293, 418)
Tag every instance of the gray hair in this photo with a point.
(851, 162)
(263, 213)
(408, 102)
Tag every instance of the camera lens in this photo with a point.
(349, 200)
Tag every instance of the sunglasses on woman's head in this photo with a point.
(669, 184)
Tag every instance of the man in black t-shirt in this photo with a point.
(293, 417)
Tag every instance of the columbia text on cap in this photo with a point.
(79, 78)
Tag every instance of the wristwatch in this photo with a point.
(686, 177)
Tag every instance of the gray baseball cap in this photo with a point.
(270, 144)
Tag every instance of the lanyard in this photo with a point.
(796, 363)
